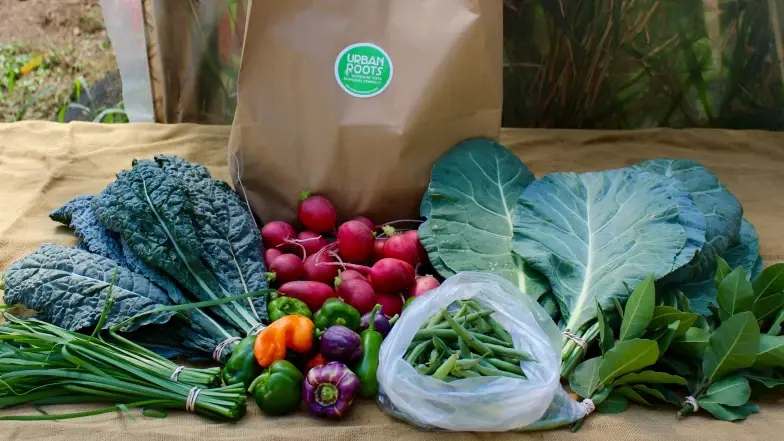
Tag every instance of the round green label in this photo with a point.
(363, 70)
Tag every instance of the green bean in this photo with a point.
(415, 342)
(446, 368)
(451, 378)
(504, 366)
(467, 364)
(450, 334)
(499, 330)
(465, 373)
(435, 354)
(436, 319)
(428, 368)
(483, 327)
(441, 346)
(511, 352)
(471, 339)
(470, 318)
(465, 351)
(463, 309)
(493, 372)
(417, 351)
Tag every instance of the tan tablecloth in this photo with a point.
(43, 165)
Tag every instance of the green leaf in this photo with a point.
(766, 379)
(639, 310)
(735, 294)
(632, 395)
(664, 315)
(731, 391)
(606, 338)
(771, 352)
(585, 378)
(692, 344)
(703, 324)
(733, 346)
(627, 356)
(650, 377)
(618, 307)
(684, 302)
(767, 304)
(679, 366)
(725, 413)
(722, 270)
(775, 327)
(645, 390)
(615, 403)
(666, 339)
(599, 397)
(473, 192)
(667, 395)
(770, 280)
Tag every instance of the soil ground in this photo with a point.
(60, 41)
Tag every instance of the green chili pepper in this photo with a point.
(283, 306)
(446, 368)
(337, 312)
(278, 390)
(368, 365)
(242, 366)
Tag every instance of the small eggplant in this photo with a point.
(341, 344)
(330, 390)
(382, 324)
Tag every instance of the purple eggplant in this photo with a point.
(330, 390)
(382, 323)
(340, 343)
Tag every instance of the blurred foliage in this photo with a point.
(84, 106)
(626, 64)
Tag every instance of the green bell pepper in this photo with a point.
(336, 312)
(278, 390)
(283, 306)
(242, 366)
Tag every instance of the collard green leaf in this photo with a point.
(726, 413)
(614, 404)
(692, 343)
(585, 378)
(735, 294)
(632, 395)
(650, 377)
(722, 211)
(731, 391)
(639, 310)
(154, 215)
(592, 233)
(606, 338)
(549, 304)
(473, 191)
(778, 321)
(722, 270)
(733, 346)
(625, 357)
(78, 215)
(745, 250)
(68, 287)
(428, 242)
(771, 352)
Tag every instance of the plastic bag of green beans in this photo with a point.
(452, 332)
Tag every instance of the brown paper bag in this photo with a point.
(356, 99)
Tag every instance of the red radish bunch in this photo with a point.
(306, 265)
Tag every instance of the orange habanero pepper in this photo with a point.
(293, 332)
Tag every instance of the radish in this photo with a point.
(316, 213)
(320, 268)
(391, 304)
(368, 223)
(413, 236)
(357, 293)
(314, 294)
(277, 234)
(401, 247)
(347, 275)
(378, 249)
(312, 242)
(286, 268)
(270, 254)
(422, 285)
(387, 275)
(355, 241)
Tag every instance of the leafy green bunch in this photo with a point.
(657, 351)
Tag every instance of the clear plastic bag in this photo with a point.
(483, 403)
